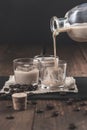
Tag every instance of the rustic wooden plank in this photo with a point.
(3, 48)
(80, 60)
(44, 120)
(74, 54)
(83, 49)
(23, 120)
(31, 120)
(67, 116)
(77, 66)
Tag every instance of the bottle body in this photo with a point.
(74, 23)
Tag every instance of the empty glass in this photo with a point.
(25, 71)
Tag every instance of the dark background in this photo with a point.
(28, 21)
(25, 32)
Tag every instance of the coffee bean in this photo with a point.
(24, 87)
(11, 86)
(9, 106)
(30, 94)
(55, 113)
(69, 102)
(9, 117)
(12, 91)
(16, 88)
(72, 88)
(6, 89)
(32, 87)
(49, 106)
(28, 102)
(17, 85)
(72, 126)
(40, 110)
(35, 87)
(33, 102)
(82, 104)
(77, 109)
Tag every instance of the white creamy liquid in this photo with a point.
(54, 47)
(26, 77)
(77, 32)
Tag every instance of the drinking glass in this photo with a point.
(25, 71)
(40, 60)
(53, 76)
(45, 61)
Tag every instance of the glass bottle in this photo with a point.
(74, 23)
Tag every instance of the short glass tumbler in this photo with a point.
(43, 62)
(25, 71)
(53, 76)
(46, 59)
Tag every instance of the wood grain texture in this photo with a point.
(31, 120)
(23, 120)
(74, 54)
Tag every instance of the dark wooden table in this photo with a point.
(71, 111)
(74, 53)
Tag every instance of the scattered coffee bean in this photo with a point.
(72, 88)
(9, 117)
(33, 102)
(39, 110)
(35, 87)
(69, 102)
(18, 91)
(55, 113)
(9, 106)
(11, 86)
(28, 102)
(31, 88)
(82, 104)
(12, 91)
(45, 87)
(30, 94)
(49, 106)
(24, 87)
(6, 89)
(72, 126)
(77, 109)
(21, 88)
(85, 111)
(17, 85)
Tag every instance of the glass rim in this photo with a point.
(62, 62)
(37, 56)
(20, 60)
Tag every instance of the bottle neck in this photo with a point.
(59, 25)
